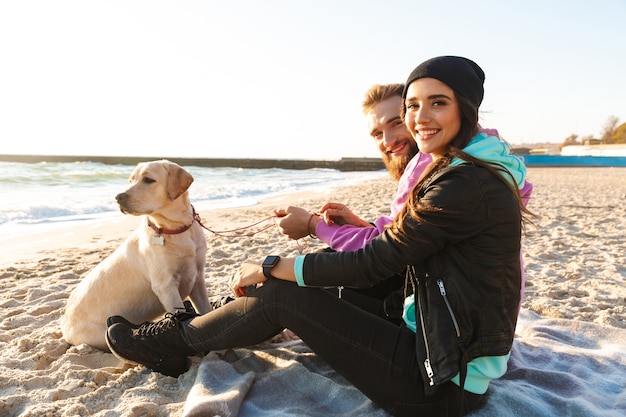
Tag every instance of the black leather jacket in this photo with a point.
(465, 264)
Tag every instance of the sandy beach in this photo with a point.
(575, 259)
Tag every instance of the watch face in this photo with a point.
(270, 261)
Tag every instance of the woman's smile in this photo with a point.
(426, 134)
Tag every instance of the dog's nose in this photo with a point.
(121, 198)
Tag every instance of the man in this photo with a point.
(342, 229)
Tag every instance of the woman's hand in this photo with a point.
(249, 273)
(340, 214)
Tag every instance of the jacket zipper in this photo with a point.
(427, 366)
(442, 291)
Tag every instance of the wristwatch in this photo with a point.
(269, 263)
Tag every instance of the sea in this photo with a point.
(36, 197)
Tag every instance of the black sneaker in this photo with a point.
(158, 346)
(119, 319)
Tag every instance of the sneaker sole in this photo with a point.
(161, 371)
(109, 343)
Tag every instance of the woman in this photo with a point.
(457, 240)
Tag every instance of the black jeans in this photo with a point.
(374, 354)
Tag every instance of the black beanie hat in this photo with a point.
(464, 76)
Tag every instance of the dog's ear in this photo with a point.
(178, 181)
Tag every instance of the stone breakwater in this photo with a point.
(343, 164)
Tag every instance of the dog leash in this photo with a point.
(231, 233)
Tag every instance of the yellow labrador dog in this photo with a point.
(158, 265)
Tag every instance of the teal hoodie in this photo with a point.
(493, 149)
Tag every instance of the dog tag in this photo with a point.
(157, 240)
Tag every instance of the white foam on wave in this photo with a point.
(47, 196)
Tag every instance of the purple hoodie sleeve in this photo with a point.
(349, 238)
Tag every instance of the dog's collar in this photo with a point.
(164, 231)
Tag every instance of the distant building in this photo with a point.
(594, 150)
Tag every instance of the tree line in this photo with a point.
(611, 133)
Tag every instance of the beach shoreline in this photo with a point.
(575, 261)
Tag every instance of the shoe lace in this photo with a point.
(169, 321)
(154, 329)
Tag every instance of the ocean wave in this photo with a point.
(47, 193)
(46, 214)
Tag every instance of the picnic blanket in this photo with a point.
(557, 367)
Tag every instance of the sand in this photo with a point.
(575, 260)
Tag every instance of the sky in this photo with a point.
(284, 79)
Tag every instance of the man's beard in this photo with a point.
(396, 165)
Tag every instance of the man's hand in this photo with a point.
(295, 221)
(340, 214)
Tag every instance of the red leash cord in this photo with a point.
(230, 233)
(302, 245)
